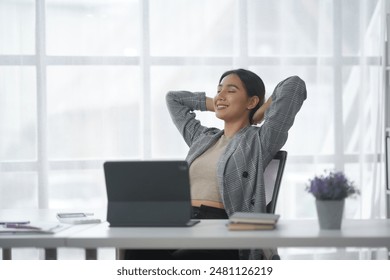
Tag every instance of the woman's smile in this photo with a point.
(221, 106)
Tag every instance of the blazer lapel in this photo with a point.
(231, 147)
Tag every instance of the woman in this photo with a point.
(226, 166)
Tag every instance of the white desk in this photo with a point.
(213, 234)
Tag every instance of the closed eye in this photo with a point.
(230, 88)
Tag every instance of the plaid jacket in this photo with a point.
(240, 168)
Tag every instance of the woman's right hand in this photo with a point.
(210, 104)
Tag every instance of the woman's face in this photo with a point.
(232, 102)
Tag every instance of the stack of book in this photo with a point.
(252, 221)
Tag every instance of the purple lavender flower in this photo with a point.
(331, 186)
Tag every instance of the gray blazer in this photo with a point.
(240, 169)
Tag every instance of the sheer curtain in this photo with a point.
(82, 82)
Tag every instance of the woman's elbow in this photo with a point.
(298, 84)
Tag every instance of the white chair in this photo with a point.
(273, 178)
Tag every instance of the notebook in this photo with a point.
(148, 193)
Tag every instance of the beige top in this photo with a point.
(203, 172)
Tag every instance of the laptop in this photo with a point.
(148, 194)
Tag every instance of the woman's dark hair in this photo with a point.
(253, 84)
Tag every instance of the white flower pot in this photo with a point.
(330, 213)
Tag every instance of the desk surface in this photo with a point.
(213, 234)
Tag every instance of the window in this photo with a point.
(82, 82)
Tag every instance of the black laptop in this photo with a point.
(148, 193)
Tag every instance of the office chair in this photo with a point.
(273, 178)
(273, 174)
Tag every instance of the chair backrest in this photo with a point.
(272, 179)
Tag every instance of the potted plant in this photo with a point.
(330, 190)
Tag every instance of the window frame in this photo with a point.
(43, 165)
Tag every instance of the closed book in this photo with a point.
(254, 218)
(249, 226)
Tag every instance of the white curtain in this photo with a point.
(82, 82)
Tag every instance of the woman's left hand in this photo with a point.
(259, 115)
